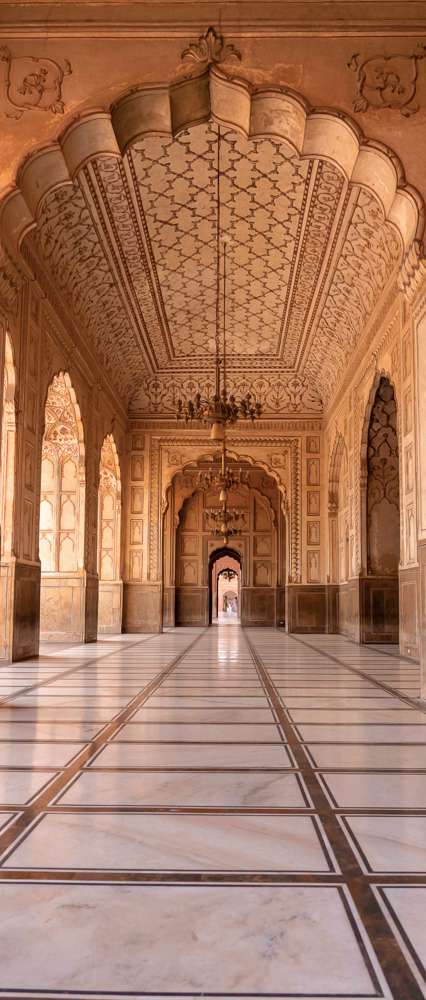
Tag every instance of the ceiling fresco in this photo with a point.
(117, 219)
(131, 248)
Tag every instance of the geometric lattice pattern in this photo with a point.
(131, 248)
(262, 188)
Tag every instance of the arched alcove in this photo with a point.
(109, 539)
(62, 515)
(380, 604)
(7, 496)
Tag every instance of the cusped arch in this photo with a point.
(379, 374)
(266, 112)
(109, 446)
(64, 376)
(337, 455)
(210, 457)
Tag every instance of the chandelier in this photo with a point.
(224, 521)
(220, 409)
(224, 479)
(228, 574)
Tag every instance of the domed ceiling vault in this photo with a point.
(125, 243)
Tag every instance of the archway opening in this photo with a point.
(62, 501)
(225, 586)
(109, 533)
(7, 496)
(189, 540)
(381, 601)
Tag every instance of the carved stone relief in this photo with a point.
(30, 82)
(387, 81)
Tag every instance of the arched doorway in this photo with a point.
(380, 610)
(62, 501)
(7, 496)
(225, 586)
(109, 533)
(188, 543)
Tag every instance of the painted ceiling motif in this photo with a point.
(131, 247)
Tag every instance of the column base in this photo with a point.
(142, 607)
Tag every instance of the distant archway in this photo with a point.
(7, 495)
(109, 534)
(62, 502)
(222, 560)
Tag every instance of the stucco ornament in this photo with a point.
(387, 81)
(210, 48)
(27, 83)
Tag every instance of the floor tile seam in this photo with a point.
(416, 703)
(30, 813)
(4, 702)
(383, 941)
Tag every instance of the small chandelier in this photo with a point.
(225, 522)
(228, 574)
(220, 409)
(225, 479)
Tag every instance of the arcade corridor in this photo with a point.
(213, 812)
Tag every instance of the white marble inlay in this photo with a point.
(346, 716)
(198, 715)
(80, 731)
(409, 904)
(391, 843)
(266, 789)
(205, 732)
(171, 701)
(362, 734)
(17, 787)
(379, 791)
(37, 754)
(197, 755)
(171, 842)
(374, 756)
(179, 939)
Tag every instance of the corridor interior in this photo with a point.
(213, 813)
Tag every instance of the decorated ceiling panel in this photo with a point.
(130, 246)
(262, 191)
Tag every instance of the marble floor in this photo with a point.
(213, 813)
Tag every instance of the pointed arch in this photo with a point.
(7, 453)
(62, 514)
(109, 539)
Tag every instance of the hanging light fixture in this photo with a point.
(220, 409)
(225, 522)
(225, 478)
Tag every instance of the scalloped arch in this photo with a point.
(204, 456)
(169, 109)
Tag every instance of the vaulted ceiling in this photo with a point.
(131, 249)
(119, 226)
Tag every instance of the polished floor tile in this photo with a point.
(378, 791)
(196, 755)
(18, 787)
(390, 843)
(203, 789)
(368, 755)
(203, 939)
(236, 828)
(120, 841)
(205, 732)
